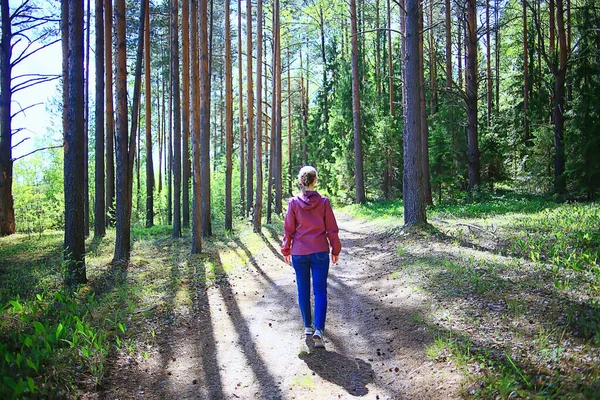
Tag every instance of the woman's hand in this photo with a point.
(288, 259)
(334, 259)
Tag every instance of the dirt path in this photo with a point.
(243, 338)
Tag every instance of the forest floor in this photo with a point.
(241, 337)
(497, 298)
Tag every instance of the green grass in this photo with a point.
(53, 341)
(514, 281)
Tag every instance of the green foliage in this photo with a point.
(51, 333)
(38, 192)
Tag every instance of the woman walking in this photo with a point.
(310, 232)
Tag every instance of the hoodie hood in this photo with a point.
(309, 200)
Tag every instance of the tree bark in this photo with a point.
(100, 200)
(250, 114)
(175, 93)
(149, 161)
(228, 121)
(74, 245)
(196, 126)
(525, 77)
(86, 119)
(7, 210)
(278, 132)
(241, 109)
(185, 97)
(110, 114)
(488, 63)
(472, 134)
(560, 74)
(448, 44)
(414, 198)
(358, 169)
(423, 109)
(257, 218)
(126, 146)
(206, 48)
(390, 64)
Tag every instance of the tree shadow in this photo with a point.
(352, 374)
(268, 385)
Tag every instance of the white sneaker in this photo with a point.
(308, 331)
(318, 338)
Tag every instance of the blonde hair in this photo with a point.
(307, 176)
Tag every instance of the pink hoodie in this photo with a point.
(310, 226)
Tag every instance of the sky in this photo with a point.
(36, 121)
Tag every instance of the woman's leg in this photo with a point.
(320, 270)
(302, 267)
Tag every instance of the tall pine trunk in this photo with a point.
(228, 121)
(241, 109)
(196, 127)
(175, 94)
(250, 113)
(149, 161)
(472, 134)
(74, 140)
(414, 197)
(560, 74)
(100, 200)
(110, 114)
(185, 99)
(358, 169)
(257, 217)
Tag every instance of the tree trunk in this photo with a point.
(100, 201)
(7, 211)
(559, 102)
(423, 108)
(390, 64)
(277, 122)
(448, 45)
(196, 115)
(358, 169)
(488, 63)
(74, 139)
(149, 161)
(206, 35)
(414, 198)
(472, 135)
(525, 77)
(228, 122)
(433, 100)
(185, 98)
(126, 146)
(161, 131)
(250, 114)
(304, 110)
(175, 93)
(257, 218)
(241, 109)
(289, 127)
(110, 114)
(86, 119)
(271, 148)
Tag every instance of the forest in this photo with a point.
(458, 142)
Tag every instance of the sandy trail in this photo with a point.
(243, 338)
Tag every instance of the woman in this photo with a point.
(310, 231)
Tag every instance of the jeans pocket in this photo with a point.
(322, 256)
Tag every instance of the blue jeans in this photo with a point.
(318, 264)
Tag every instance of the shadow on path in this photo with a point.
(352, 374)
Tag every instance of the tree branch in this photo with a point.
(20, 141)
(36, 150)
(34, 81)
(22, 110)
